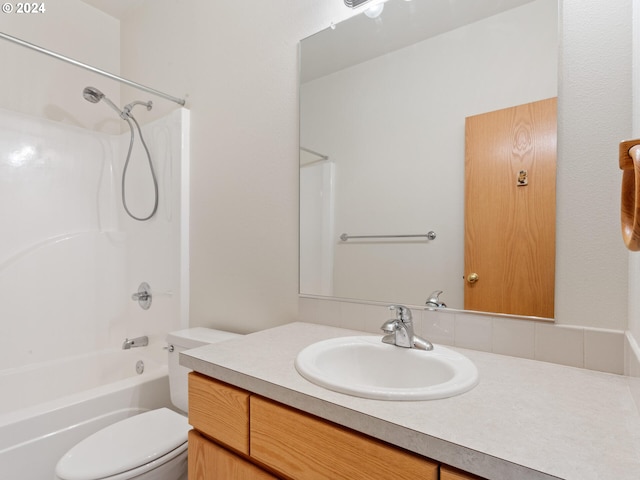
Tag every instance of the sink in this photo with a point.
(365, 367)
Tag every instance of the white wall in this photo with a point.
(383, 167)
(594, 113)
(39, 85)
(237, 62)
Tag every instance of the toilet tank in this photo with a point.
(185, 340)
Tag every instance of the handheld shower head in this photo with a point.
(93, 95)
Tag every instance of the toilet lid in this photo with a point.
(125, 445)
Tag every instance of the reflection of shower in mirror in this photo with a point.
(311, 157)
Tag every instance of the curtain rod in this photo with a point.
(22, 43)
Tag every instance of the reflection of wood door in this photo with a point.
(510, 210)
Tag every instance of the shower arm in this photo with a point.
(127, 108)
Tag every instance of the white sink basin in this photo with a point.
(366, 367)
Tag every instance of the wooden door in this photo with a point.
(510, 207)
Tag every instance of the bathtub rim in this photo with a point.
(20, 426)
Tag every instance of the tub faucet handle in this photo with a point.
(143, 296)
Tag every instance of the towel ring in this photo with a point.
(629, 154)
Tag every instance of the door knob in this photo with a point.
(472, 278)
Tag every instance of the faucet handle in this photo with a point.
(143, 296)
(390, 326)
(402, 313)
(434, 301)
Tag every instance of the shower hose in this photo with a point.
(128, 118)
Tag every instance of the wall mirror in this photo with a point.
(383, 107)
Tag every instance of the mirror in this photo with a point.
(383, 103)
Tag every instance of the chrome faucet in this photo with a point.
(135, 342)
(399, 330)
(434, 302)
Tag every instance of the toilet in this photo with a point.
(148, 446)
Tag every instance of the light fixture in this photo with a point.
(374, 11)
(354, 3)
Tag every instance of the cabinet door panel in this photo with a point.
(208, 461)
(219, 411)
(303, 447)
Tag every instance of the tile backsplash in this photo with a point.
(584, 347)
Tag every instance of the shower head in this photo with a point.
(93, 95)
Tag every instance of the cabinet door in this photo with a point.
(304, 447)
(219, 411)
(450, 473)
(209, 461)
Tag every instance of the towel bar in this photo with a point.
(430, 235)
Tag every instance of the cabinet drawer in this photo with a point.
(303, 447)
(220, 411)
(208, 461)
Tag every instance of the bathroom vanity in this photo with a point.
(287, 441)
(254, 416)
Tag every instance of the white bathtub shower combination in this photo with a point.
(69, 261)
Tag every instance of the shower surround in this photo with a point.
(70, 258)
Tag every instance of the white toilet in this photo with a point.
(149, 446)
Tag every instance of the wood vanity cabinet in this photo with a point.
(238, 435)
(304, 447)
(450, 473)
(209, 461)
(219, 411)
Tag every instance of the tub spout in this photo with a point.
(135, 342)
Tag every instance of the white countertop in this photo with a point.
(525, 419)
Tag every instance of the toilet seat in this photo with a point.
(127, 448)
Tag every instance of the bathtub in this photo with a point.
(45, 409)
